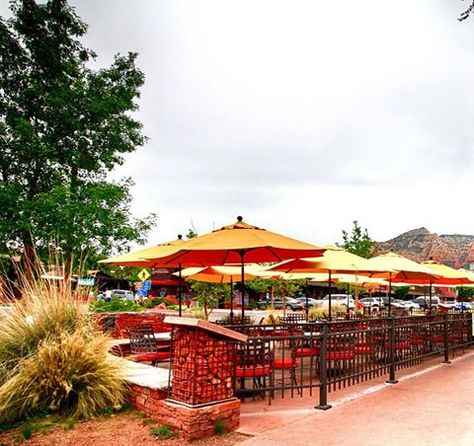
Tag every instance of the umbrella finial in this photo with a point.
(239, 218)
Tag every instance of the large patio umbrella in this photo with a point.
(449, 276)
(335, 260)
(238, 243)
(221, 274)
(400, 269)
(136, 258)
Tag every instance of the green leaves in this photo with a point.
(358, 242)
(63, 127)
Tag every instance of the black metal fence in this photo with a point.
(298, 358)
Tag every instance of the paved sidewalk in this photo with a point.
(432, 408)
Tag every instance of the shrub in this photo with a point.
(317, 313)
(219, 427)
(162, 432)
(114, 305)
(271, 318)
(53, 358)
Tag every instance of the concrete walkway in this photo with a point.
(432, 408)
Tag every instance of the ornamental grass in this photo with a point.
(53, 358)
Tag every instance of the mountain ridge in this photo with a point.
(419, 244)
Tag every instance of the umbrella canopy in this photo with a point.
(400, 269)
(406, 270)
(449, 276)
(137, 258)
(218, 274)
(237, 243)
(335, 260)
(234, 244)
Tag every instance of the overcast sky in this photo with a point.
(299, 115)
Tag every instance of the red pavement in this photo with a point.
(432, 408)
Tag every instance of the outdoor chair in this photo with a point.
(144, 346)
(293, 318)
(287, 363)
(254, 361)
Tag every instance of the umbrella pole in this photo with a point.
(306, 306)
(431, 296)
(242, 282)
(389, 294)
(180, 305)
(329, 294)
(231, 302)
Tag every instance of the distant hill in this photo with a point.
(455, 250)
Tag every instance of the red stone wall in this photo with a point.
(202, 366)
(191, 423)
(124, 320)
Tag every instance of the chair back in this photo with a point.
(142, 339)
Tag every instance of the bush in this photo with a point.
(317, 313)
(162, 432)
(53, 358)
(115, 305)
(272, 318)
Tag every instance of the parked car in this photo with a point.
(449, 304)
(288, 303)
(410, 305)
(123, 294)
(464, 306)
(311, 302)
(373, 302)
(338, 299)
(424, 301)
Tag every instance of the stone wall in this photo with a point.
(191, 422)
(124, 320)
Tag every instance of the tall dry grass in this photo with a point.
(54, 358)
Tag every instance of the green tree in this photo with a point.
(465, 294)
(63, 127)
(208, 294)
(358, 241)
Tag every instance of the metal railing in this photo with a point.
(301, 358)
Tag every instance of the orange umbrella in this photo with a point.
(401, 269)
(137, 258)
(238, 243)
(334, 260)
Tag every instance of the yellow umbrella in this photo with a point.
(238, 243)
(449, 276)
(334, 260)
(401, 269)
(217, 274)
(137, 258)
(221, 274)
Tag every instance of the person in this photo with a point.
(100, 295)
(108, 295)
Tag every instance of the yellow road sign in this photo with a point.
(143, 275)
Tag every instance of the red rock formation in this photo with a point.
(420, 244)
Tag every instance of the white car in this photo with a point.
(372, 302)
(123, 294)
(338, 299)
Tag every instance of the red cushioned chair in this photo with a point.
(144, 347)
(290, 363)
(254, 360)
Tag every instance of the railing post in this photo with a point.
(470, 328)
(391, 353)
(446, 340)
(323, 371)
